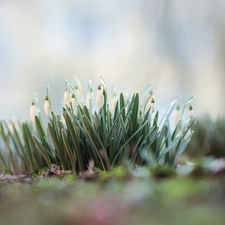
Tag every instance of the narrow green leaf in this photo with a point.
(172, 145)
(43, 150)
(122, 108)
(125, 144)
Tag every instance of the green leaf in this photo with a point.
(43, 150)
(125, 144)
(171, 146)
(122, 108)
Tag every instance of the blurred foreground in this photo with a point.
(119, 200)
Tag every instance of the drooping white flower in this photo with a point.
(148, 105)
(152, 105)
(47, 107)
(190, 113)
(89, 96)
(77, 93)
(176, 116)
(33, 111)
(99, 98)
(35, 100)
(73, 101)
(67, 98)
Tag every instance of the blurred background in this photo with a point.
(176, 45)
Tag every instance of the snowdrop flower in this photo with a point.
(47, 107)
(191, 113)
(35, 100)
(150, 97)
(89, 96)
(73, 100)
(66, 95)
(77, 93)
(99, 98)
(176, 116)
(66, 98)
(152, 105)
(148, 105)
(33, 111)
(78, 90)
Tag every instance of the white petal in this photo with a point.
(152, 107)
(47, 107)
(73, 102)
(99, 98)
(176, 117)
(190, 113)
(33, 112)
(66, 98)
(149, 103)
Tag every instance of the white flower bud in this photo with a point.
(99, 98)
(176, 116)
(149, 103)
(73, 100)
(77, 93)
(67, 98)
(47, 107)
(152, 105)
(191, 113)
(33, 111)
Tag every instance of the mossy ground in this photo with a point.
(119, 197)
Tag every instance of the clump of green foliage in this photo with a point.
(209, 138)
(126, 131)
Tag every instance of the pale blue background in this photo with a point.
(177, 45)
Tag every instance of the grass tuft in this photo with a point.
(128, 131)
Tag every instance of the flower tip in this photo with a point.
(73, 100)
(152, 100)
(176, 116)
(152, 105)
(33, 111)
(99, 98)
(47, 107)
(66, 98)
(191, 112)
